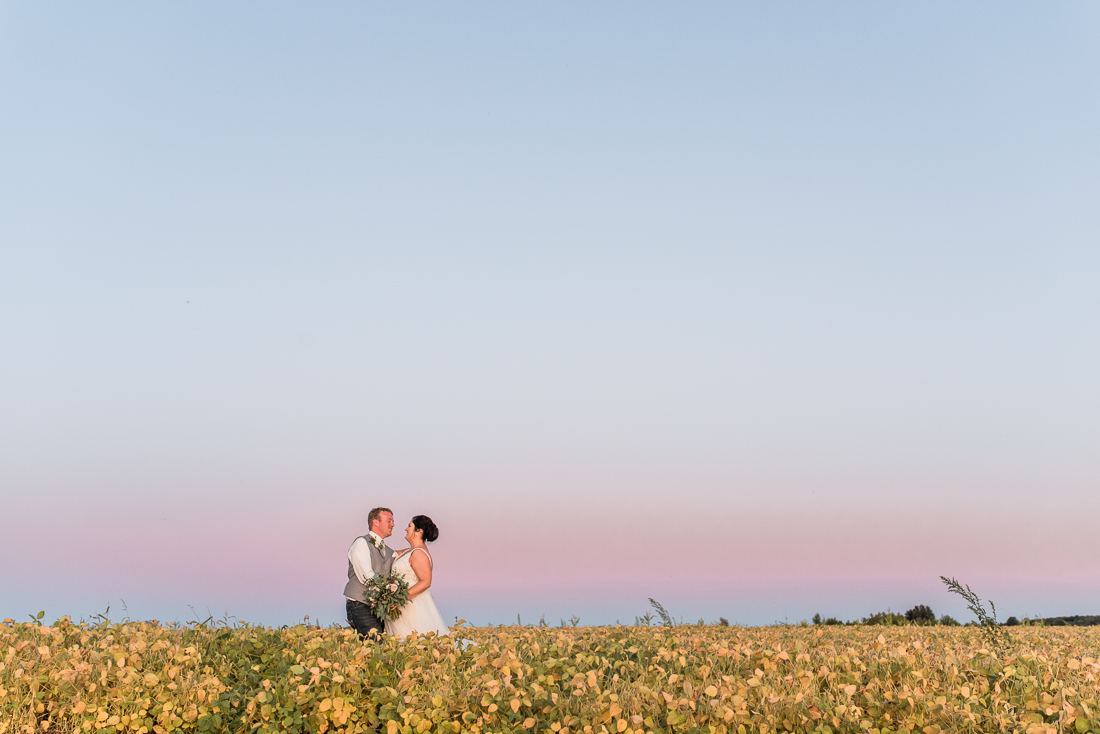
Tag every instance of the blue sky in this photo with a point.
(765, 309)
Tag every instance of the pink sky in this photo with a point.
(756, 560)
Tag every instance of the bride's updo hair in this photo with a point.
(424, 524)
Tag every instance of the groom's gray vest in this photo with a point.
(379, 562)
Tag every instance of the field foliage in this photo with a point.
(141, 677)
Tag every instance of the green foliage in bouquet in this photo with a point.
(386, 595)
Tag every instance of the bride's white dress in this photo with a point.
(420, 615)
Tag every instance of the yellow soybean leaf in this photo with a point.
(711, 691)
(325, 705)
(515, 705)
(528, 723)
(849, 690)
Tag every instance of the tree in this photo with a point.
(921, 614)
(888, 619)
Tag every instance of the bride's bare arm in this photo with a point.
(423, 568)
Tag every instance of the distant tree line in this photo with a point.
(1077, 620)
(922, 614)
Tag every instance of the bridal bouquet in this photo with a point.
(386, 595)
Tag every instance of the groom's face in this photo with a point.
(383, 526)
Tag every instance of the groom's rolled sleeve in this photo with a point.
(359, 555)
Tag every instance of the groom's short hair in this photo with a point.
(376, 514)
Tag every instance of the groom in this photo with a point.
(367, 556)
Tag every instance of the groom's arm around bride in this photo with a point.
(368, 555)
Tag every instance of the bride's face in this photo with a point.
(411, 533)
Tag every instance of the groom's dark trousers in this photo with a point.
(362, 619)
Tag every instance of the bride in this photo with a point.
(414, 564)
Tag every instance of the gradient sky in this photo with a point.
(759, 309)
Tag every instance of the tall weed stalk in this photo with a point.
(996, 636)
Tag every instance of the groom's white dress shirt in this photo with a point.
(359, 555)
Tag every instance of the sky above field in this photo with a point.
(760, 310)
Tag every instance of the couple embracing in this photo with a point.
(369, 555)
